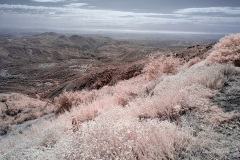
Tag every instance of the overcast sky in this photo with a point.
(203, 16)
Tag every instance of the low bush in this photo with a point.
(162, 65)
(226, 50)
(64, 103)
(66, 100)
(193, 61)
(126, 139)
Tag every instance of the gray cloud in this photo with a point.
(88, 15)
(75, 15)
(48, 1)
(76, 5)
(226, 10)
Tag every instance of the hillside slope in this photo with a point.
(173, 110)
(38, 64)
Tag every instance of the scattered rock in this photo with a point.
(4, 130)
(13, 112)
(236, 63)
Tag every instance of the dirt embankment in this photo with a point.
(95, 79)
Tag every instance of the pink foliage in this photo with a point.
(66, 100)
(162, 65)
(193, 61)
(226, 50)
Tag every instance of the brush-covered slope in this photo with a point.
(167, 112)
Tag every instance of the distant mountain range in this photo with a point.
(51, 47)
(34, 63)
(48, 47)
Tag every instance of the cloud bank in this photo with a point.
(82, 15)
(48, 0)
(225, 10)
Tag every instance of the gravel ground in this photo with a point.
(229, 100)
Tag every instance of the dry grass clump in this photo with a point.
(193, 61)
(217, 80)
(66, 100)
(162, 65)
(122, 101)
(64, 104)
(88, 114)
(126, 139)
(122, 98)
(170, 103)
(226, 50)
(189, 89)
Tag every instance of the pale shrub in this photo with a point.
(87, 112)
(125, 138)
(171, 102)
(213, 81)
(218, 78)
(89, 104)
(43, 134)
(162, 65)
(66, 100)
(193, 61)
(189, 89)
(64, 103)
(226, 50)
(217, 115)
(122, 101)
